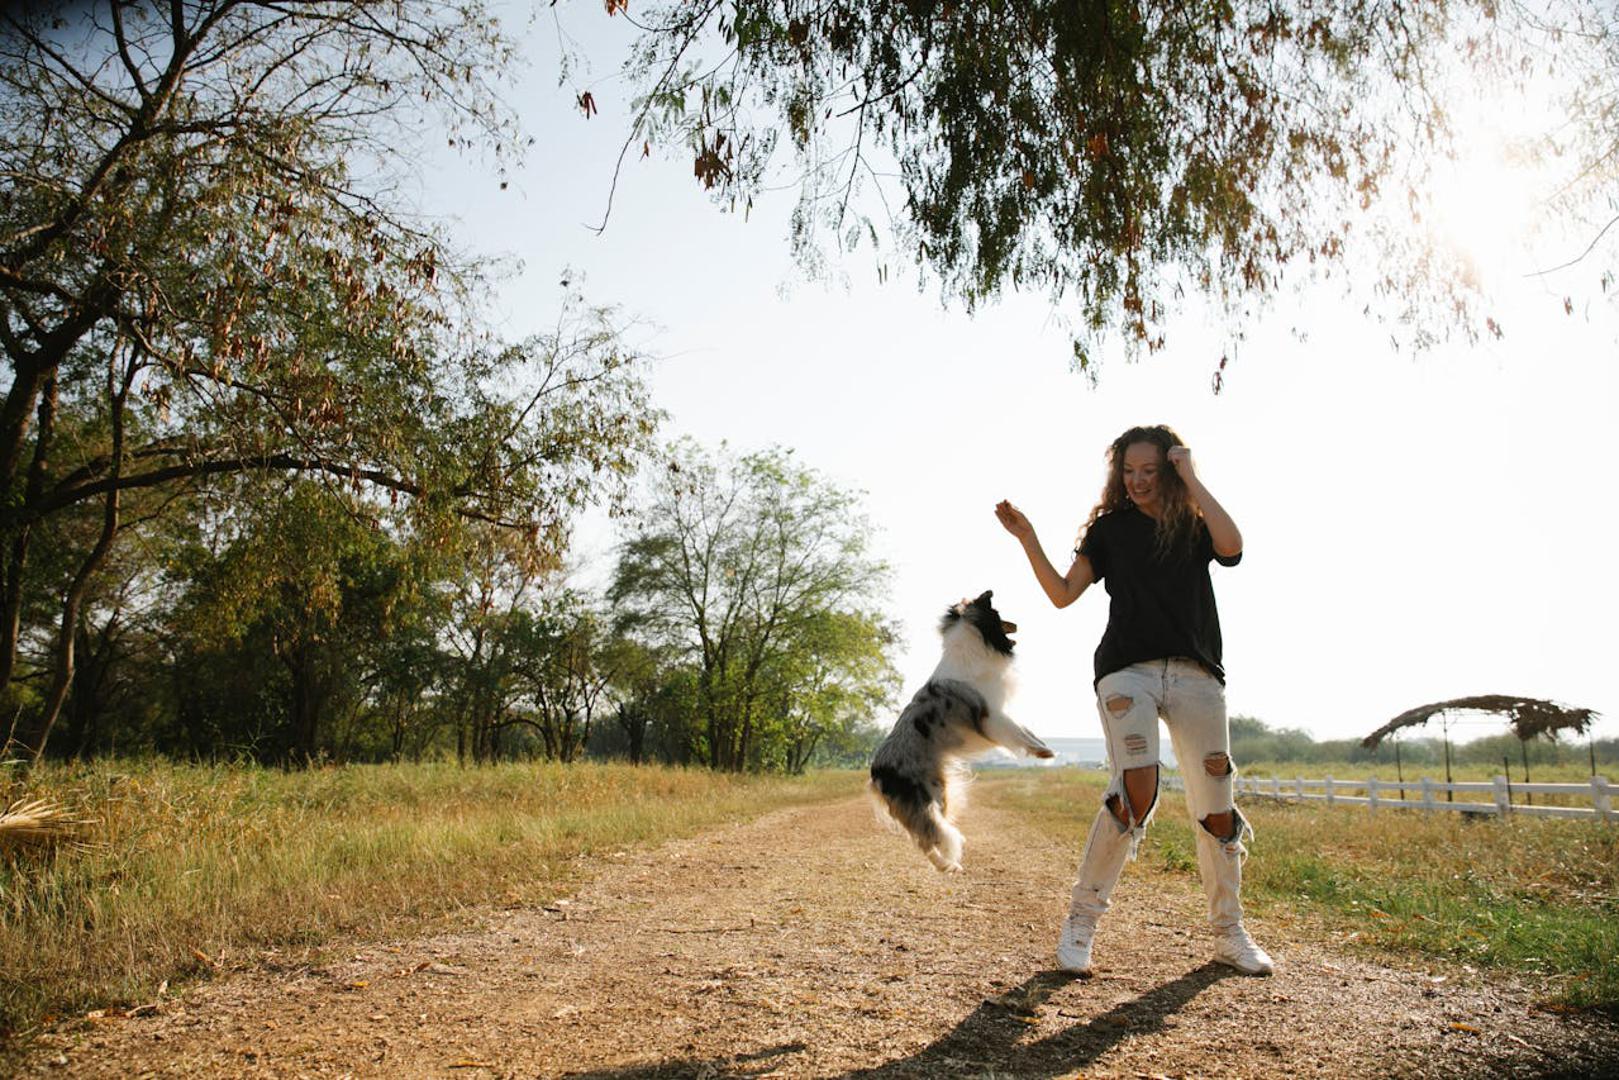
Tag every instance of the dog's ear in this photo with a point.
(983, 599)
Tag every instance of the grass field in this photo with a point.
(1578, 773)
(1571, 773)
(1532, 895)
(193, 869)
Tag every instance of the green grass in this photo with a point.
(193, 868)
(1530, 895)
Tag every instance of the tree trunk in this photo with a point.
(17, 556)
(84, 700)
(37, 734)
(396, 750)
(746, 738)
(304, 708)
(35, 739)
(29, 382)
(637, 741)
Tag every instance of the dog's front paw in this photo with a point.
(1044, 753)
(950, 868)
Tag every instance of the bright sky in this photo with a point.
(1417, 528)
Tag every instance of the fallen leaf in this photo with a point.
(1469, 1028)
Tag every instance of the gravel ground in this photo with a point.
(810, 943)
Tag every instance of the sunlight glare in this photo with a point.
(1482, 209)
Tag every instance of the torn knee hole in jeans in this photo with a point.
(1235, 827)
(1221, 826)
(1119, 704)
(1217, 764)
(1124, 809)
(1118, 808)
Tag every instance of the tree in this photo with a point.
(738, 563)
(826, 686)
(490, 591)
(1117, 154)
(647, 691)
(312, 585)
(562, 662)
(207, 273)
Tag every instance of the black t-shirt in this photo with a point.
(1160, 607)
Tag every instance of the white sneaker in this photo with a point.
(1236, 948)
(1074, 944)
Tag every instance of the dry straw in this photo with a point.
(37, 823)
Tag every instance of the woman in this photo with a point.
(1150, 541)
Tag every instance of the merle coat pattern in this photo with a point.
(917, 773)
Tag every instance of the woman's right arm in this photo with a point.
(1063, 589)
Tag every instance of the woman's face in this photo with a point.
(1143, 468)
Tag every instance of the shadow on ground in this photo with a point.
(991, 1037)
(757, 1063)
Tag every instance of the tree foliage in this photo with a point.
(1119, 154)
(757, 572)
(208, 277)
(294, 626)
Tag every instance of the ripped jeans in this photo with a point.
(1192, 705)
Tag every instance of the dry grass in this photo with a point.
(194, 868)
(36, 824)
(1536, 896)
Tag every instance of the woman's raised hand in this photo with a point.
(1013, 520)
(1180, 457)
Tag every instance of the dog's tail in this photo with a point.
(903, 801)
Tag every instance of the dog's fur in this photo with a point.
(917, 773)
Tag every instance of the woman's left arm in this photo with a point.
(1222, 530)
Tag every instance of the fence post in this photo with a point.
(1298, 787)
(1330, 797)
(1600, 799)
(1371, 796)
(1503, 796)
(1427, 795)
(1276, 787)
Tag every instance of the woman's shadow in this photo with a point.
(989, 1037)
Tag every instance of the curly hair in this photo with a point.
(1177, 525)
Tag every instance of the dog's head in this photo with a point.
(981, 615)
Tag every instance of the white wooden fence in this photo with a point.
(1429, 795)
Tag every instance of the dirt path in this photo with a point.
(810, 944)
